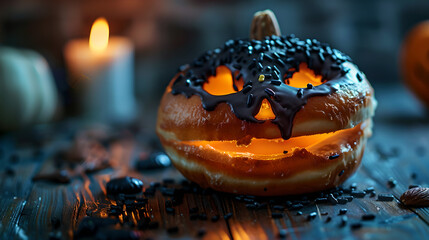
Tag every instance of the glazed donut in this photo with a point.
(273, 116)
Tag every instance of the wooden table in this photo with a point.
(398, 154)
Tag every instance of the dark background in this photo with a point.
(168, 33)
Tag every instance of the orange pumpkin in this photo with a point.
(415, 61)
(272, 116)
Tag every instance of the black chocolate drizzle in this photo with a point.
(277, 58)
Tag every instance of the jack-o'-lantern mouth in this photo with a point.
(268, 149)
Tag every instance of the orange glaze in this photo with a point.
(269, 149)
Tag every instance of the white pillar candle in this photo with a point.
(102, 73)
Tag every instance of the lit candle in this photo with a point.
(102, 73)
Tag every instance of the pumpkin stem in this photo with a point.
(264, 24)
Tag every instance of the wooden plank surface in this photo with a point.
(398, 152)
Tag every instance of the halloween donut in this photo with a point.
(415, 61)
(269, 115)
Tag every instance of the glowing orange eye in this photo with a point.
(223, 83)
(303, 77)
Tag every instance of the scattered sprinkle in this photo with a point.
(385, 197)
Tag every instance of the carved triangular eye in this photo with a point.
(303, 77)
(265, 111)
(223, 83)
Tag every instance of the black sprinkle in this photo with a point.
(261, 205)
(392, 183)
(278, 207)
(356, 225)
(343, 211)
(126, 185)
(413, 186)
(215, 218)
(349, 198)
(235, 87)
(309, 86)
(385, 197)
(342, 200)
(246, 89)
(324, 213)
(341, 173)
(369, 190)
(249, 100)
(57, 177)
(299, 213)
(322, 58)
(276, 82)
(282, 233)
(321, 200)
(335, 67)
(334, 156)
(250, 206)
(300, 92)
(201, 233)
(311, 216)
(202, 216)
(413, 175)
(359, 77)
(296, 206)
(368, 217)
(261, 57)
(328, 219)
(270, 92)
(237, 66)
(169, 210)
(88, 226)
(344, 71)
(332, 199)
(357, 194)
(155, 161)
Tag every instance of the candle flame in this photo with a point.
(99, 37)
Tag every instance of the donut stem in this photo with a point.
(264, 24)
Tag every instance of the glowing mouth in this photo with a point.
(267, 149)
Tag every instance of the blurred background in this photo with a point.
(169, 33)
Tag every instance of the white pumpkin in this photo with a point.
(27, 90)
